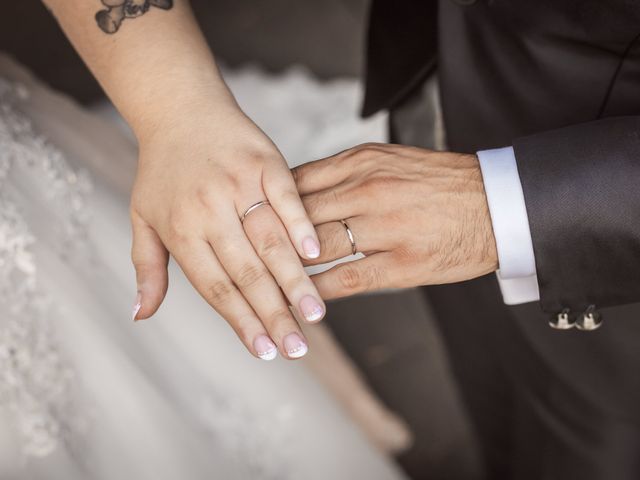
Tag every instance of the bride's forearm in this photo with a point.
(149, 56)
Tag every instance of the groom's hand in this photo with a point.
(420, 217)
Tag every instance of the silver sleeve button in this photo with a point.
(589, 320)
(562, 321)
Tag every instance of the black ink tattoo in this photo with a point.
(117, 11)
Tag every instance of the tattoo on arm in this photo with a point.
(110, 19)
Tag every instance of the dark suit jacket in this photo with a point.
(560, 81)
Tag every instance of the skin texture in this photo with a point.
(110, 19)
(420, 217)
(238, 270)
(202, 163)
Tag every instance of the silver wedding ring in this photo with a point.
(252, 208)
(352, 239)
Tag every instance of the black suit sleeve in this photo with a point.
(582, 192)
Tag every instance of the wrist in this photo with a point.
(484, 238)
(490, 250)
(166, 98)
(185, 112)
(218, 133)
(486, 235)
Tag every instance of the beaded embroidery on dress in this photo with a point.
(35, 381)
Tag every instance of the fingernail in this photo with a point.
(265, 348)
(310, 247)
(137, 304)
(311, 308)
(295, 346)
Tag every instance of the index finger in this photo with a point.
(281, 192)
(318, 175)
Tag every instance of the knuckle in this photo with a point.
(136, 203)
(142, 265)
(270, 244)
(355, 153)
(353, 279)
(177, 226)
(134, 208)
(250, 275)
(219, 292)
(226, 181)
(409, 255)
(365, 150)
(339, 241)
(205, 196)
(137, 257)
(263, 152)
(334, 241)
(333, 197)
(366, 157)
(350, 278)
(310, 203)
(378, 183)
(377, 278)
(226, 246)
(319, 201)
(280, 316)
(371, 146)
(290, 284)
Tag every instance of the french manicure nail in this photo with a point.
(295, 346)
(265, 348)
(310, 247)
(311, 308)
(137, 304)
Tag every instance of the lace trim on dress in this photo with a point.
(35, 381)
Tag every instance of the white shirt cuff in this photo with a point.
(517, 265)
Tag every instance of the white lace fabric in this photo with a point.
(34, 379)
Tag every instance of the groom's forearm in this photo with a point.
(155, 66)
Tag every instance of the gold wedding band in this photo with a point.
(252, 208)
(352, 239)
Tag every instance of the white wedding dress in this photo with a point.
(87, 394)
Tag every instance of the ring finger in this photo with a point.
(253, 279)
(270, 240)
(336, 244)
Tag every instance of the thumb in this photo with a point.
(150, 258)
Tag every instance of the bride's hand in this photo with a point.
(196, 178)
(419, 216)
